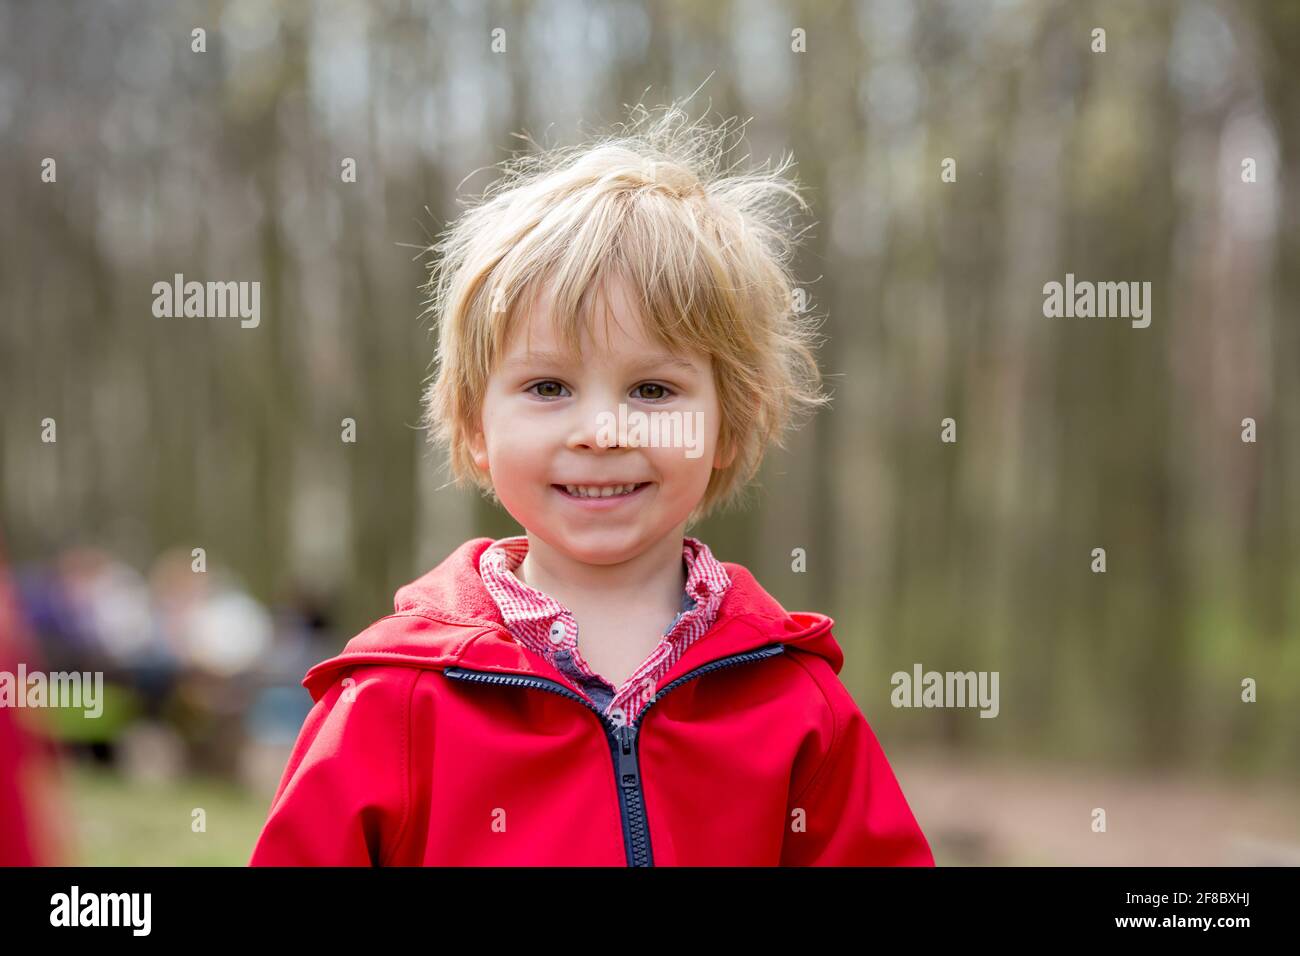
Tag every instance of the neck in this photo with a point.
(656, 576)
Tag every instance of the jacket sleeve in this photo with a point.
(343, 798)
(853, 810)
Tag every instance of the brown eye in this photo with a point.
(547, 385)
(663, 391)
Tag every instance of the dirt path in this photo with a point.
(990, 813)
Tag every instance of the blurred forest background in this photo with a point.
(1073, 434)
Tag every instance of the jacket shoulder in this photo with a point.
(344, 797)
(822, 706)
(820, 686)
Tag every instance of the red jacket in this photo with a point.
(437, 739)
(28, 762)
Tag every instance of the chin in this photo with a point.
(604, 546)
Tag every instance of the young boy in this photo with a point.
(617, 349)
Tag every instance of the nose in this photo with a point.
(595, 423)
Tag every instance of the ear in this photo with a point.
(478, 450)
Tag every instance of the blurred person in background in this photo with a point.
(222, 635)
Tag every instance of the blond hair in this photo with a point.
(706, 251)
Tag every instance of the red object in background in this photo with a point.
(25, 759)
(435, 741)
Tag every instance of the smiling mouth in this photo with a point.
(587, 492)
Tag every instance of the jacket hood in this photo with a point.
(447, 618)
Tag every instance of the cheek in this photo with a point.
(518, 452)
(687, 468)
(505, 450)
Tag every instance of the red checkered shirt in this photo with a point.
(545, 626)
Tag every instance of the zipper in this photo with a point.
(623, 738)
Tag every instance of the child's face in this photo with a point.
(542, 430)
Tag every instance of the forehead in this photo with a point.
(612, 324)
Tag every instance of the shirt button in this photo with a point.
(557, 632)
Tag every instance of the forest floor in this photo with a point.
(983, 812)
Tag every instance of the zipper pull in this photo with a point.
(629, 774)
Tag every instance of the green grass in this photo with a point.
(119, 822)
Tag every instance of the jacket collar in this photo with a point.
(447, 618)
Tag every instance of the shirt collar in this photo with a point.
(706, 579)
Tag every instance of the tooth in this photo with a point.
(594, 491)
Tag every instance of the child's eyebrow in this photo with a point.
(561, 358)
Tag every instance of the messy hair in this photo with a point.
(705, 249)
